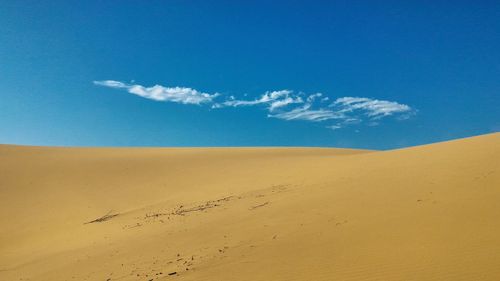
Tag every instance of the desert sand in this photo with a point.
(429, 212)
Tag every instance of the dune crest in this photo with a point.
(421, 213)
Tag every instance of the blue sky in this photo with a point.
(362, 74)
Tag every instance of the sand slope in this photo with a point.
(423, 213)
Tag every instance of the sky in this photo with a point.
(359, 74)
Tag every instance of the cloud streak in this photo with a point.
(375, 109)
(273, 100)
(306, 113)
(182, 95)
(283, 104)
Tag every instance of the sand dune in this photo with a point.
(423, 213)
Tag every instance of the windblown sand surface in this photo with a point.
(423, 213)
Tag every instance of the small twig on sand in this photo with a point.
(258, 206)
(104, 218)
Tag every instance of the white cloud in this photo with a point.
(160, 93)
(111, 84)
(346, 111)
(334, 127)
(350, 100)
(283, 104)
(312, 97)
(273, 100)
(306, 113)
(374, 109)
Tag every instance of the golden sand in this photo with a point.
(422, 213)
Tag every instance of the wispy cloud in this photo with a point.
(283, 104)
(375, 109)
(360, 109)
(306, 113)
(160, 93)
(312, 97)
(273, 100)
(334, 127)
